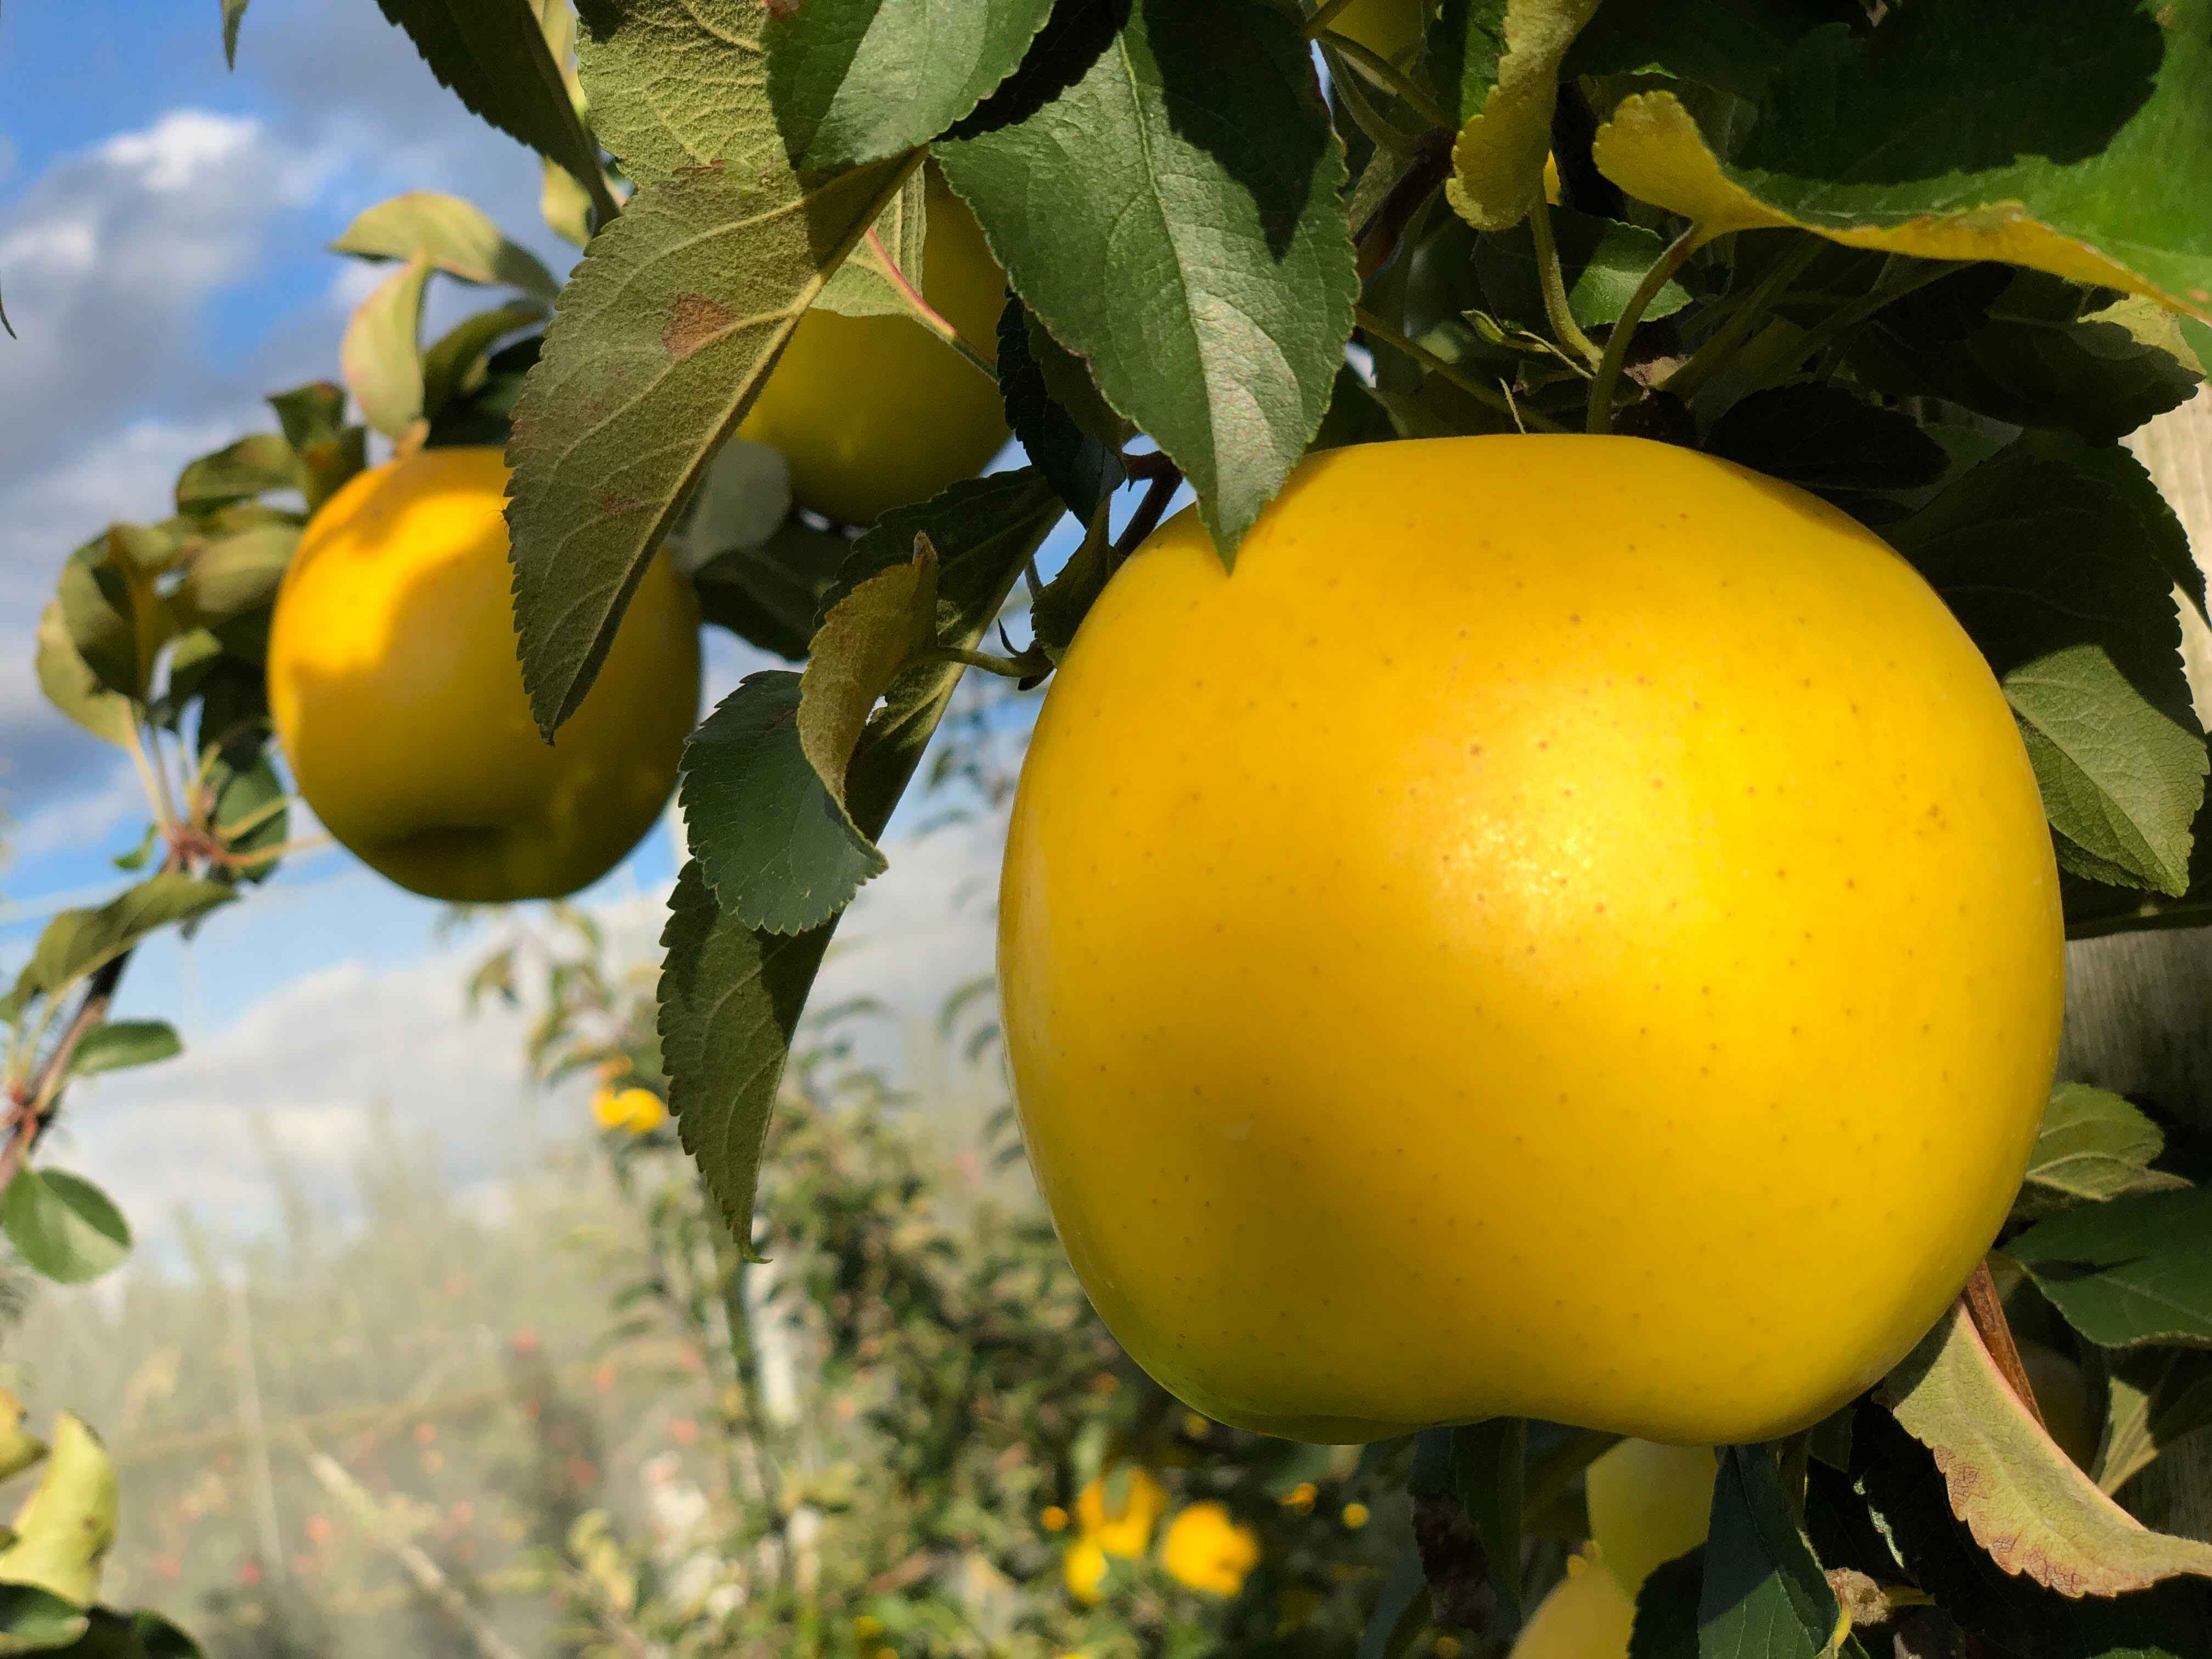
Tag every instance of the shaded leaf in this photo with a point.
(65, 1227)
(482, 412)
(1825, 439)
(313, 417)
(2152, 1397)
(674, 86)
(2020, 1496)
(381, 353)
(1487, 1468)
(454, 364)
(731, 997)
(1667, 1610)
(453, 235)
(68, 683)
(773, 841)
(1085, 468)
(769, 594)
(234, 13)
(850, 84)
(1602, 259)
(1763, 1596)
(1920, 142)
(864, 285)
(2137, 1269)
(1115, 150)
(32, 1619)
(666, 331)
(871, 633)
(1504, 84)
(236, 574)
(495, 59)
(252, 466)
(121, 1043)
(2048, 566)
(2094, 1146)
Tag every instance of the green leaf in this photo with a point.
(865, 285)
(108, 608)
(1401, 1611)
(68, 683)
(1733, 49)
(674, 86)
(2137, 1269)
(1503, 81)
(454, 366)
(1109, 155)
(77, 943)
(2032, 361)
(773, 842)
(121, 1043)
(33, 1620)
(234, 13)
(455, 236)
(250, 813)
(1667, 1610)
(2049, 568)
(63, 1226)
(665, 333)
(1085, 468)
(495, 59)
(769, 594)
(1764, 1596)
(252, 466)
(729, 996)
(1487, 1471)
(2019, 1494)
(1602, 259)
(867, 638)
(2199, 338)
(481, 412)
(2094, 1146)
(1066, 600)
(1922, 141)
(2153, 1396)
(1823, 437)
(381, 353)
(852, 83)
(237, 574)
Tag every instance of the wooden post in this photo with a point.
(2139, 1005)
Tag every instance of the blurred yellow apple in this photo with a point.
(1121, 1522)
(1586, 1616)
(1208, 1549)
(1463, 963)
(639, 1111)
(877, 412)
(1649, 1503)
(398, 695)
(1083, 1569)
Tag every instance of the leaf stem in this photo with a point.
(924, 313)
(1553, 280)
(1488, 396)
(1985, 1308)
(1616, 343)
(1690, 378)
(1389, 75)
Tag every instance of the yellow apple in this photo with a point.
(878, 412)
(1586, 1616)
(398, 695)
(1208, 1549)
(1388, 28)
(1649, 1503)
(1468, 961)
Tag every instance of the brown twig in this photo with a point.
(1986, 1309)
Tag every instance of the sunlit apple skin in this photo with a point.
(397, 696)
(1568, 929)
(1649, 1503)
(878, 412)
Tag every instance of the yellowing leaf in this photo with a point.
(1922, 141)
(2020, 1496)
(1497, 160)
(868, 636)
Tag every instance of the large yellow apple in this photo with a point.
(1649, 1503)
(398, 695)
(877, 412)
(1567, 929)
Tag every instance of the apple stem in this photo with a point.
(1986, 1309)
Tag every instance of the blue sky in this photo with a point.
(162, 232)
